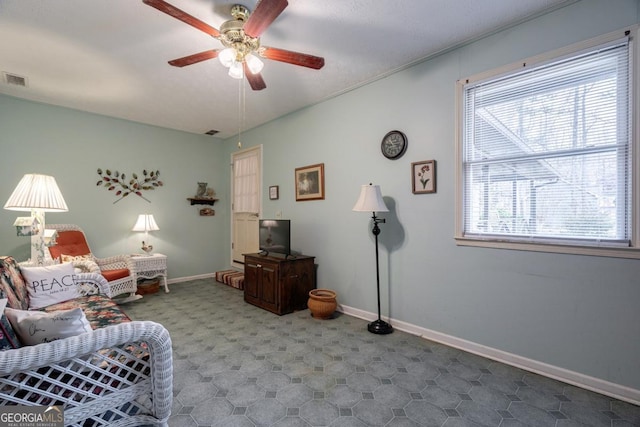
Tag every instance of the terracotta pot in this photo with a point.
(322, 303)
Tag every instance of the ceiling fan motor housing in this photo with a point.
(232, 35)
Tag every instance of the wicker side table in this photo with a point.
(151, 266)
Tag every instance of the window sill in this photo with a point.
(632, 253)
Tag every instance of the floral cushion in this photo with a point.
(100, 310)
(12, 284)
(8, 338)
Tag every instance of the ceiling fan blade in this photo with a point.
(255, 80)
(294, 58)
(195, 58)
(265, 13)
(170, 10)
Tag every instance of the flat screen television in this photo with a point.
(275, 236)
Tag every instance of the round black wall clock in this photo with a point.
(394, 144)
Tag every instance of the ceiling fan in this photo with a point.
(240, 37)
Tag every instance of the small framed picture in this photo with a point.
(273, 192)
(423, 177)
(310, 183)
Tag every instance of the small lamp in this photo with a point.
(38, 194)
(146, 223)
(370, 200)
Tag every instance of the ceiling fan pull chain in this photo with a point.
(241, 111)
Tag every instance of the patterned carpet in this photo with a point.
(239, 365)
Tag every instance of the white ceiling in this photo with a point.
(110, 56)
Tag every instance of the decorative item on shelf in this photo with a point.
(38, 194)
(146, 223)
(370, 200)
(116, 180)
(322, 303)
(204, 196)
(202, 190)
(423, 177)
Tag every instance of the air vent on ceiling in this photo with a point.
(211, 132)
(14, 79)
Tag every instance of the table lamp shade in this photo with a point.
(39, 192)
(370, 200)
(145, 222)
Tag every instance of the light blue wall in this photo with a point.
(575, 312)
(72, 145)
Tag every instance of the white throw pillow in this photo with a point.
(50, 284)
(35, 327)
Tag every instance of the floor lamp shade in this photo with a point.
(370, 200)
(38, 194)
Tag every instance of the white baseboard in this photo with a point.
(188, 278)
(597, 385)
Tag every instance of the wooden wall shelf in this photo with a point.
(196, 201)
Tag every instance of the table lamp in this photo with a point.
(38, 194)
(146, 223)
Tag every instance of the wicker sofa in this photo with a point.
(117, 374)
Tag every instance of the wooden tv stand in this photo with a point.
(278, 284)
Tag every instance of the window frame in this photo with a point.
(633, 250)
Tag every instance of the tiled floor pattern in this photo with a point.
(238, 365)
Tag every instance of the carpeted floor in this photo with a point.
(239, 365)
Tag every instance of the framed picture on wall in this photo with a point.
(423, 177)
(273, 192)
(309, 182)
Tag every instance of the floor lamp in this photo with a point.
(370, 200)
(38, 194)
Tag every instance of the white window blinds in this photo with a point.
(546, 152)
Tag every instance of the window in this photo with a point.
(545, 152)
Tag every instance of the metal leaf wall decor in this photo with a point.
(123, 187)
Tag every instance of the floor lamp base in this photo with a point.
(379, 327)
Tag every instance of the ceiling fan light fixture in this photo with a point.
(235, 71)
(240, 38)
(227, 56)
(254, 64)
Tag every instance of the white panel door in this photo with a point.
(246, 183)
